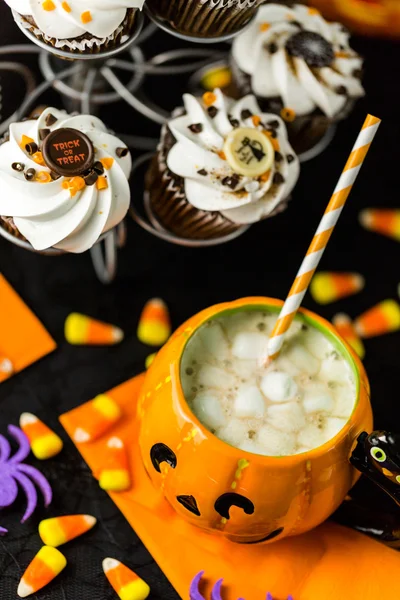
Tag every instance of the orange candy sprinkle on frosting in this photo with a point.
(86, 16)
(209, 98)
(48, 5)
(66, 7)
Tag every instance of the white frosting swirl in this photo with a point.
(253, 198)
(302, 88)
(100, 18)
(48, 215)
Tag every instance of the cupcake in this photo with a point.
(204, 18)
(299, 66)
(84, 26)
(63, 181)
(221, 164)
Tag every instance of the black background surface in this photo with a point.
(262, 262)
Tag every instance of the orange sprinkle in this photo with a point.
(101, 183)
(48, 5)
(43, 177)
(274, 141)
(38, 158)
(264, 26)
(342, 54)
(209, 98)
(221, 154)
(107, 163)
(288, 114)
(265, 176)
(25, 140)
(86, 17)
(313, 11)
(66, 7)
(256, 120)
(74, 185)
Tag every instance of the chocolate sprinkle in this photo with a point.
(278, 157)
(91, 177)
(341, 90)
(121, 152)
(357, 73)
(17, 166)
(274, 123)
(290, 158)
(50, 120)
(98, 167)
(231, 182)
(196, 127)
(278, 179)
(272, 132)
(212, 111)
(202, 172)
(43, 133)
(272, 48)
(245, 114)
(54, 175)
(30, 174)
(31, 148)
(234, 122)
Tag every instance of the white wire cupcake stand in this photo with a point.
(86, 81)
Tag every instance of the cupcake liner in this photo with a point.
(207, 18)
(84, 44)
(175, 213)
(305, 131)
(8, 224)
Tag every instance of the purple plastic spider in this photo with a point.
(13, 472)
(216, 591)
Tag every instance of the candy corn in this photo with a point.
(384, 221)
(154, 325)
(82, 330)
(217, 77)
(328, 287)
(60, 530)
(150, 359)
(380, 319)
(125, 582)
(97, 417)
(115, 475)
(346, 329)
(6, 368)
(47, 564)
(43, 441)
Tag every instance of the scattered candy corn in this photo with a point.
(82, 330)
(46, 565)
(115, 475)
(328, 287)
(150, 359)
(125, 582)
(380, 319)
(43, 441)
(6, 368)
(216, 77)
(60, 530)
(154, 324)
(346, 329)
(97, 417)
(384, 221)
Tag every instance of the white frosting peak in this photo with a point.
(48, 214)
(198, 157)
(302, 87)
(74, 18)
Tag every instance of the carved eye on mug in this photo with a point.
(224, 503)
(160, 453)
(189, 502)
(378, 454)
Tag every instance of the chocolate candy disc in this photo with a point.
(249, 151)
(68, 152)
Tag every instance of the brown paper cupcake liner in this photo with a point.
(175, 213)
(92, 45)
(8, 224)
(190, 17)
(304, 132)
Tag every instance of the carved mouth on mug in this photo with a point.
(265, 538)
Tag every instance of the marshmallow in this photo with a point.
(275, 443)
(249, 345)
(249, 402)
(344, 401)
(317, 344)
(208, 410)
(314, 401)
(302, 359)
(211, 376)
(233, 432)
(278, 386)
(334, 369)
(311, 436)
(333, 426)
(286, 417)
(214, 340)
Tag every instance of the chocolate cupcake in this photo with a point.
(204, 18)
(83, 26)
(63, 181)
(299, 66)
(220, 164)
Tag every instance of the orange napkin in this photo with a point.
(23, 339)
(329, 563)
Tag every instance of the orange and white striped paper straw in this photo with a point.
(322, 236)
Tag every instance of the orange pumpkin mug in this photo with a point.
(246, 497)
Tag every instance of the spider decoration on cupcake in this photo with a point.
(377, 456)
(194, 593)
(14, 472)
